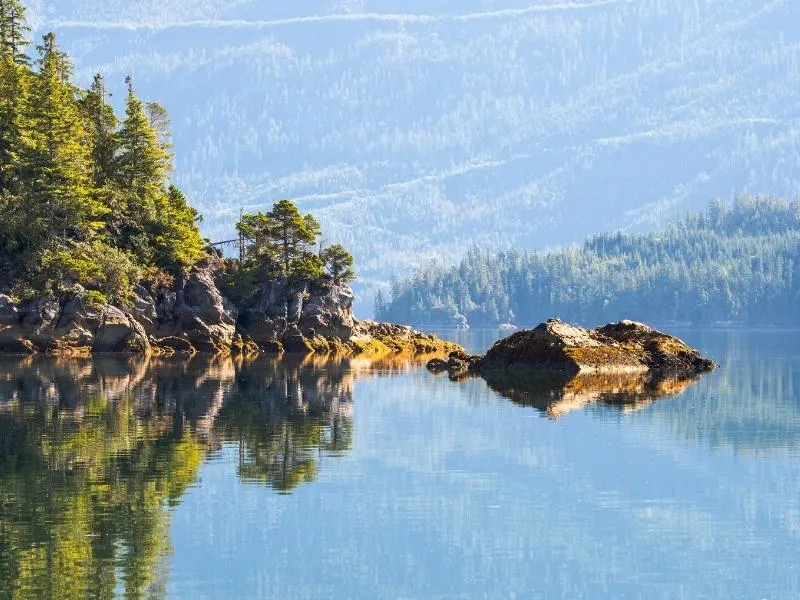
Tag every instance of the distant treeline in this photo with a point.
(736, 263)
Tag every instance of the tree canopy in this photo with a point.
(82, 194)
(284, 244)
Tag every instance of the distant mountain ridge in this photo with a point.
(416, 129)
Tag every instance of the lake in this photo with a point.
(345, 479)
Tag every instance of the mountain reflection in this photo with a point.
(558, 397)
(93, 452)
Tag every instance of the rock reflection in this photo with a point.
(93, 452)
(558, 397)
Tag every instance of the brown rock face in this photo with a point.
(557, 348)
(68, 326)
(193, 316)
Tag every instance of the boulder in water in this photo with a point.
(558, 348)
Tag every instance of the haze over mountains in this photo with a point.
(416, 129)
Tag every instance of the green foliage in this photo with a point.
(735, 263)
(238, 283)
(176, 240)
(101, 123)
(280, 240)
(13, 31)
(279, 245)
(83, 198)
(96, 266)
(95, 299)
(339, 264)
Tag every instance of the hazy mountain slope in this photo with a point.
(417, 128)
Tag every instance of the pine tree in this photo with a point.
(101, 123)
(291, 231)
(143, 162)
(176, 239)
(139, 176)
(280, 243)
(14, 30)
(13, 93)
(58, 158)
(339, 264)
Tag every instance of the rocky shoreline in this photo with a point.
(193, 316)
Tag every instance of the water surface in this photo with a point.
(345, 479)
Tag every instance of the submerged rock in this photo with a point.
(556, 347)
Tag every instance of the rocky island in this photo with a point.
(557, 348)
(559, 367)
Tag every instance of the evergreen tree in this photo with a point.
(101, 123)
(143, 163)
(735, 262)
(14, 30)
(58, 162)
(140, 176)
(13, 96)
(82, 199)
(339, 264)
(176, 239)
(280, 242)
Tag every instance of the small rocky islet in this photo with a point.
(193, 316)
(562, 366)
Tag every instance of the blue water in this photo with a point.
(383, 481)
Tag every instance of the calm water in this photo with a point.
(216, 479)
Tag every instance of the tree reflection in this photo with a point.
(94, 453)
(286, 418)
(83, 484)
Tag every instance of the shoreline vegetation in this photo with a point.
(100, 253)
(734, 265)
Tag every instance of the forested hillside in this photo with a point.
(416, 129)
(732, 264)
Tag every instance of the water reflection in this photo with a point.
(93, 452)
(467, 494)
(751, 406)
(558, 397)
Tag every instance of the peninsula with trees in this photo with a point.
(99, 252)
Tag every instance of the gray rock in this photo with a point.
(144, 308)
(273, 299)
(119, 332)
(294, 306)
(40, 312)
(9, 312)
